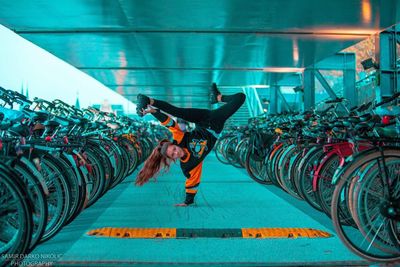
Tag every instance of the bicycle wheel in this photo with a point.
(273, 166)
(296, 172)
(360, 241)
(117, 159)
(241, 151)
(306, 174)
(284, 163)
(16, 223)
(122, 159)
(132, 153)
(367, 213)
(77, 181)
(293, 171)
(96, 177)
(230, 152)
(268, 164)
(256, 155)
(219, 147)
(102, 155)
(37, 197)
(255, 166)
(324, 187)
(59, 198)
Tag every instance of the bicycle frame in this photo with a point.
(343, 150)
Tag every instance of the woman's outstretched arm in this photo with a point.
(168, 122)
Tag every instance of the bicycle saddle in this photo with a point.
(19, 130)
(40, 116)
(51, 123)
(363, 127)
(365, 117)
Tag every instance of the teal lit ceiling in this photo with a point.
(174, 49)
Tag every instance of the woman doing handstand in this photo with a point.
(189, 147)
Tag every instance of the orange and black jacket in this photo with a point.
(197, 144)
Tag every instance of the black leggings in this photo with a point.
(211, 119)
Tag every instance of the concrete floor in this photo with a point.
(227, 198)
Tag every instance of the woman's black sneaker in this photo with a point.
(141, 103)
(214, 92)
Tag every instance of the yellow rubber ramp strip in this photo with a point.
(208, 233)
(284, 233)
(134, 232)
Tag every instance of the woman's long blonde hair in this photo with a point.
(154, 163)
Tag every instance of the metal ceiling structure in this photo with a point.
(174, 49)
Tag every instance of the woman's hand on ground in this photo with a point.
(181, 205)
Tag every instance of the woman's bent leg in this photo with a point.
(221, 114)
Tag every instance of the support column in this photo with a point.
(309, 89)
(286, 106)
(349, 80)
(273, 102)
(386, 56)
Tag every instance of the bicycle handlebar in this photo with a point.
(387, 100)
(336, 100)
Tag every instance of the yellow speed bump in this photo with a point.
(209, 233)
(134, 232)
(283, 233)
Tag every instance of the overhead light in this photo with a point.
(282, 70)
(366, 11)
(256, 86)
(342, 32)
(259, 86)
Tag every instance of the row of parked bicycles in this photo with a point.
(56, 160)
(347, 166)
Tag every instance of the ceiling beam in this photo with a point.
(187, 68)
(184, 31)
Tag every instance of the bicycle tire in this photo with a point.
(337, 200)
